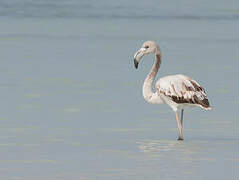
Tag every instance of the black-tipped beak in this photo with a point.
(136, 63)
(137, 56)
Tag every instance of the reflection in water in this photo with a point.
(170, 158)
(160, 146)
(155, 146)
(183, 151)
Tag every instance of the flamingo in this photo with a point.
(177, 91)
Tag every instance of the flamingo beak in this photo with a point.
(136, 63)
(137, 56)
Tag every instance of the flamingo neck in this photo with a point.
(148, 82)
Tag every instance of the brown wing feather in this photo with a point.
(202, 101)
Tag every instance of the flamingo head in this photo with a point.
(148, 47)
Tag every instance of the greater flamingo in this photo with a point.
(178, 91)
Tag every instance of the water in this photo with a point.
(71, 101)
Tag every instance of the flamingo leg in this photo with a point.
(180, 136)
(182, 117)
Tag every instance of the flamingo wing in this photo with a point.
(183, 90)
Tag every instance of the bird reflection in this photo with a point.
(176, 149)
(154, 146)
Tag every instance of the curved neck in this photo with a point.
(148, 82)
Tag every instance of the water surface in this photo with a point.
(71, 101)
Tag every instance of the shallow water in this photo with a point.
(71, 101)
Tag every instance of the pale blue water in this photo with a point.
(71, 101)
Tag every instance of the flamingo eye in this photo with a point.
(146, 47)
